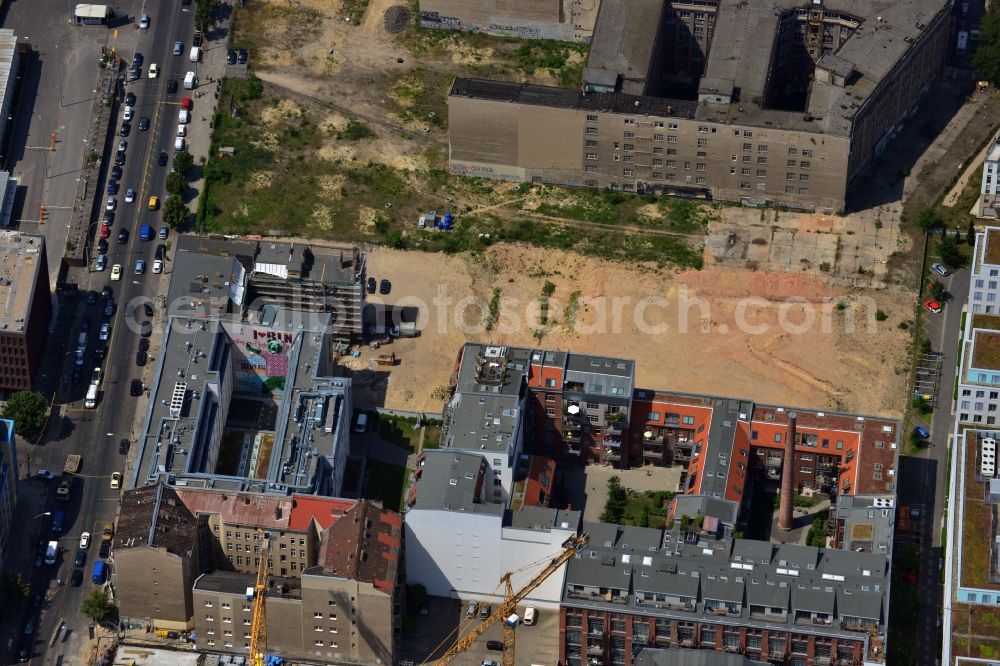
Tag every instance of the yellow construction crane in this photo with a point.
(258, 628)
(571, 547)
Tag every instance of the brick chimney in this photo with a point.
(787, 478)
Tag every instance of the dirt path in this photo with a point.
(294, 87)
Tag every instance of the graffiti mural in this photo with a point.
(261, 360)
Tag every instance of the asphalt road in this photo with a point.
(923, 478)
(95, 433)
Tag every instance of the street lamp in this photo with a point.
(46, 513)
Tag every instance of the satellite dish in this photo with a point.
(573, 409)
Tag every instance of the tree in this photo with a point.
(970, 235)
(986, 59)
(98, 607)
(816, 536)
(929, 220)
(937, 291)
(203, 14)
(951, 256)
(176, 183)
(183, 163)
(614, 508)
(29, 411)
(13, 590)
(175, 213)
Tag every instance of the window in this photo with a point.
(671, 138)
(591, 130)
(688, 420)
(761, 173)
(744, 171)
(318, 643)
(630, 158)
(630, 121)
(803, 177)
(591, 168)
(803, 190)
(591, 143)
(744, 185)
(732, 171)
(702, 167)
(789, 175)
(317, 627)
(761, 160)
(629, 146)
(657, 150)
(747, 158)
(805, 165)
(777, 437)
(628, 172)
(700, 180)
(762, 148)
(807, 153)
(657, 161)
(703, 129)
(793, 151)
(789, 189)
(550, 411)
(591, 118)
(591, 156)
(687, 165)
(629, 135)
(657, 137)
(747, 146)
(702, 142)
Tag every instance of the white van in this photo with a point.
(51, 551)
(189, 81)
(362, 423)
(195, 54)
(184, 117)
(179, 144)
(529, 616)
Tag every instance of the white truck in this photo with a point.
(963, 42)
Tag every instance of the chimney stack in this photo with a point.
(787, 478)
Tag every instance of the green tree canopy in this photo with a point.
(13, 590)
(28, 410)
(98, 607)
(183, 163)
(176, 183)
(986, 59)
(928, 220)
(951, 256)
(614, 508)
(174, 211)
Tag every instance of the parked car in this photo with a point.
(371, 285)
(921, 432)
(127, 114)
(116, 480)
(106, 292)
(76, 578)
(162, 161)
(494, 645)
(130, 99)
(135, 388)
(231, 57)
(126, 128)
(104, 332)
(141, 358)
(102, 246)
(187, 104)
(105, 231)
(101, 263)
(143, 124)
(143, 344)
(172, 86)
(85, 540)
(109, 307)
(940, 270)
(120, 158)
(146, 328)
(137, 60)
(122, 236)
(105, 548)
(81, 558)
(164, 231)
(178, 48)
(384, 287)
(147, 309)
(109, 217)
(45, 474)
(196, 40)
(144, 21)
(154, 71)
(116, 172)
(123, 447)
(122, 145)
(112, 186)
(116, 274)
(129, 195)
(932, 306)
(157, 266)
(242, 57)
(112, 203)
(140, 266)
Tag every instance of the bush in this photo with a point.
(356, 131)
(880, 315)
(29, 411)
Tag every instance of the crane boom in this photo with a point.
(258, 628)
(571, 547)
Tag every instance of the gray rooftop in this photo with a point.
(740, 52)
(21, 258)
(692, 568)
(544, 519)
(453, 480)
(623, 43)
(255, 380)
(868, 522)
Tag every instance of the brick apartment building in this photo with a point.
(25, 308)
(721, 99)
(183, 559)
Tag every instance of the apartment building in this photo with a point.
(677, 99)
(341, 609)
(180, 551)
(990, 188)
(634, 589)
(25, 308)
(531, 19)
(979, 368)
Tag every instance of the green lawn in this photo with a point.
(385, 483)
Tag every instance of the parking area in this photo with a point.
(446, 621)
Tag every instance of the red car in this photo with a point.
(186, 103)
(105, 231)
(932, 306)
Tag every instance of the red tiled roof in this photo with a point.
(364, 545)
(326, 511)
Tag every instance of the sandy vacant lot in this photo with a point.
(772, 337)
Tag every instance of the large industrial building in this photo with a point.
(184, 558)
(245, 396)
(25, 308)
(722, 100)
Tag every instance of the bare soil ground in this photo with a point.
(716, 331)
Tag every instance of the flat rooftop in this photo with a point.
(21, 257)
(452, 481)
(624, 40)
(986, 350)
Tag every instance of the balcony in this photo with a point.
(682, 455)
(614, 427)
(612, 455)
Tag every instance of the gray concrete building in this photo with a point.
(733, 101)
(534, 19)
(25, 308)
